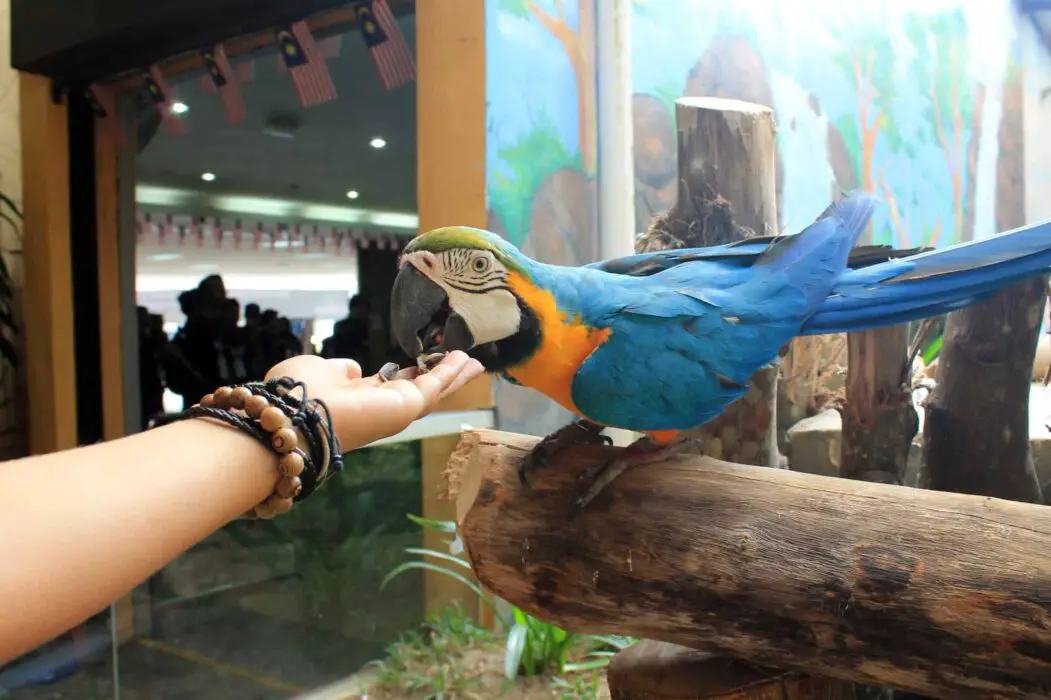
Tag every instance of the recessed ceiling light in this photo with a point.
(207, 177)
(180, 107)
(352, 194)
(377, 142)
(164, 257)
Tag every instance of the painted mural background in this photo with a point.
(921, 103)
(901, 99)
(542, 151)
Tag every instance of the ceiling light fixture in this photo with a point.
(377, 142)
(180, 108)
(352, 194)
(208, 177)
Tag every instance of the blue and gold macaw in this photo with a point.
(662, 342)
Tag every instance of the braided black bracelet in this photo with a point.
(299, 429)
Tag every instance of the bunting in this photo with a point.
(225, 82)
(305, 64)
(394, 62)
(328, 48)
(209, 232)
(163, 97)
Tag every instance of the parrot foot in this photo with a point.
(642, 451)
(576, 433)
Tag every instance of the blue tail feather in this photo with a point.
(933, 283)
(812, 260)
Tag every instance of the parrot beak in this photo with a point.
(421, 318)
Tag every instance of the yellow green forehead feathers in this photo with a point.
(451, 237)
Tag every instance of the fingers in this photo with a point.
(374, 410)
(471, 370)
(352, 368)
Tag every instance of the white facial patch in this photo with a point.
(476, 284)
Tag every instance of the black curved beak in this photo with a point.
(421, 318)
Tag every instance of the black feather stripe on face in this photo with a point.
(514, 350)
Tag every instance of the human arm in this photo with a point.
(81, 528)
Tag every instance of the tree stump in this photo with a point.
(726, 193)
(976, 433)
(879, 421)
(931, 592)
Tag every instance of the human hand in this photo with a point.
(365, 409)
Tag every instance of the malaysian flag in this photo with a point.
(394, 62)
(225, 81)
(327, 48)
(163, 97)
(305, 64)
(104, 104)
(243, 71)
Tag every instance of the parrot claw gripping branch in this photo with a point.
(793, 571)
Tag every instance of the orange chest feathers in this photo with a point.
(566, 342)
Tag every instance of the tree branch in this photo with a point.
(937, 593)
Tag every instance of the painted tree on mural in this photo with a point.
(954, 110)
(866, 66)
(579, 45)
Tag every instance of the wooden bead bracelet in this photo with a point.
(299, 430)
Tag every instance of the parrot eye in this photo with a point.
(480, 263)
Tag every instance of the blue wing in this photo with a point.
(686, 340)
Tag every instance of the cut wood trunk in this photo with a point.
(879, 421)
(976, 433)
(930, 592)
(726, 193)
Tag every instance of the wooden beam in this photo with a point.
(451, 187)
(111, 321)
(110, 302)
(923, 591)
(451, 133)
(48, 287)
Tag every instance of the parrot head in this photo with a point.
(452, 292)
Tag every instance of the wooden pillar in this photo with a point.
(451, 190)
(726, 193)
(48, 290)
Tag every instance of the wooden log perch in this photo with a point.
(937, 593)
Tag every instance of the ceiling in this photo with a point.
(329, 154)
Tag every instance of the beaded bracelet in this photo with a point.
(273, 415)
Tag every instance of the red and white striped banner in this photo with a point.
(305, 64)
(294, 237)
(390, 54)
(224, 79)
(163, 96)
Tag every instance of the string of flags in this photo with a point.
(211, 232)
(302, 57)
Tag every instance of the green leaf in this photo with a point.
(933, 350)
(578, 666)
(515, 647)
(410, 565)
(439, 555)
(436, 525)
